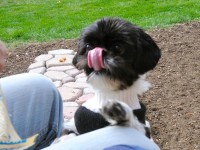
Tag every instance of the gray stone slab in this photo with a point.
(76, 85)
(58, 83)
(61, 52)
(65, 56)
(36, 65)
(43, 57)
(69, 94)
(56, 62)
(82, 75)
(83, 80)
(60, 68)
(40, 70)
(70, 104)
(56, 75)
(68, 79)
(73, 72)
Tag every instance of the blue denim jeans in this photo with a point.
(34, 106)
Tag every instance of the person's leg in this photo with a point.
(107, 137)
(34, 106)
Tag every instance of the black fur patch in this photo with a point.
(87, 120)
(128, 50)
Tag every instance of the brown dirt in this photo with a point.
(173, 101)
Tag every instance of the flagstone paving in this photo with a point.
(71, 83)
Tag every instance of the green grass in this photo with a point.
(46, 20)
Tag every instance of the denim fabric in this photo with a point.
(124, 147)
(106, 137)
(35, 106)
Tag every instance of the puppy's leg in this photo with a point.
(119, 113)
(141, 115)
(69, 126)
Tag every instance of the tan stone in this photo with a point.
(69, 112)
(69, 94)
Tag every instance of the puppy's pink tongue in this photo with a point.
(95, 59)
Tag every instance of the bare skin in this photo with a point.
(3, 55)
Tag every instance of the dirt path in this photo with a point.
(174, 100)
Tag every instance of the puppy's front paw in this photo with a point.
(117, 113)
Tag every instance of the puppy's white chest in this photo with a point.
(93, 105)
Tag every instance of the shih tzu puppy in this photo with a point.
(115, 55)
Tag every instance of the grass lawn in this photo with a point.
(24, 21)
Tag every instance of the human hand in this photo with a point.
(3, 55)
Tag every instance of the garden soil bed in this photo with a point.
(173, 101)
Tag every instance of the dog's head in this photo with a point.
(117, 50)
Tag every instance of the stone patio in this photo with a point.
(71, 83)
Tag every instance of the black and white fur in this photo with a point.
(129, 53)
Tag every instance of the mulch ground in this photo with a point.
(173, 101)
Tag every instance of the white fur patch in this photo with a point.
(105, 89)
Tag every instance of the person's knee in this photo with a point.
(41, 80)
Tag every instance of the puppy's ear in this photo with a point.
(148, 53)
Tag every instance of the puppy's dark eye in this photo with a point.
(88, 47)
(117, 49)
